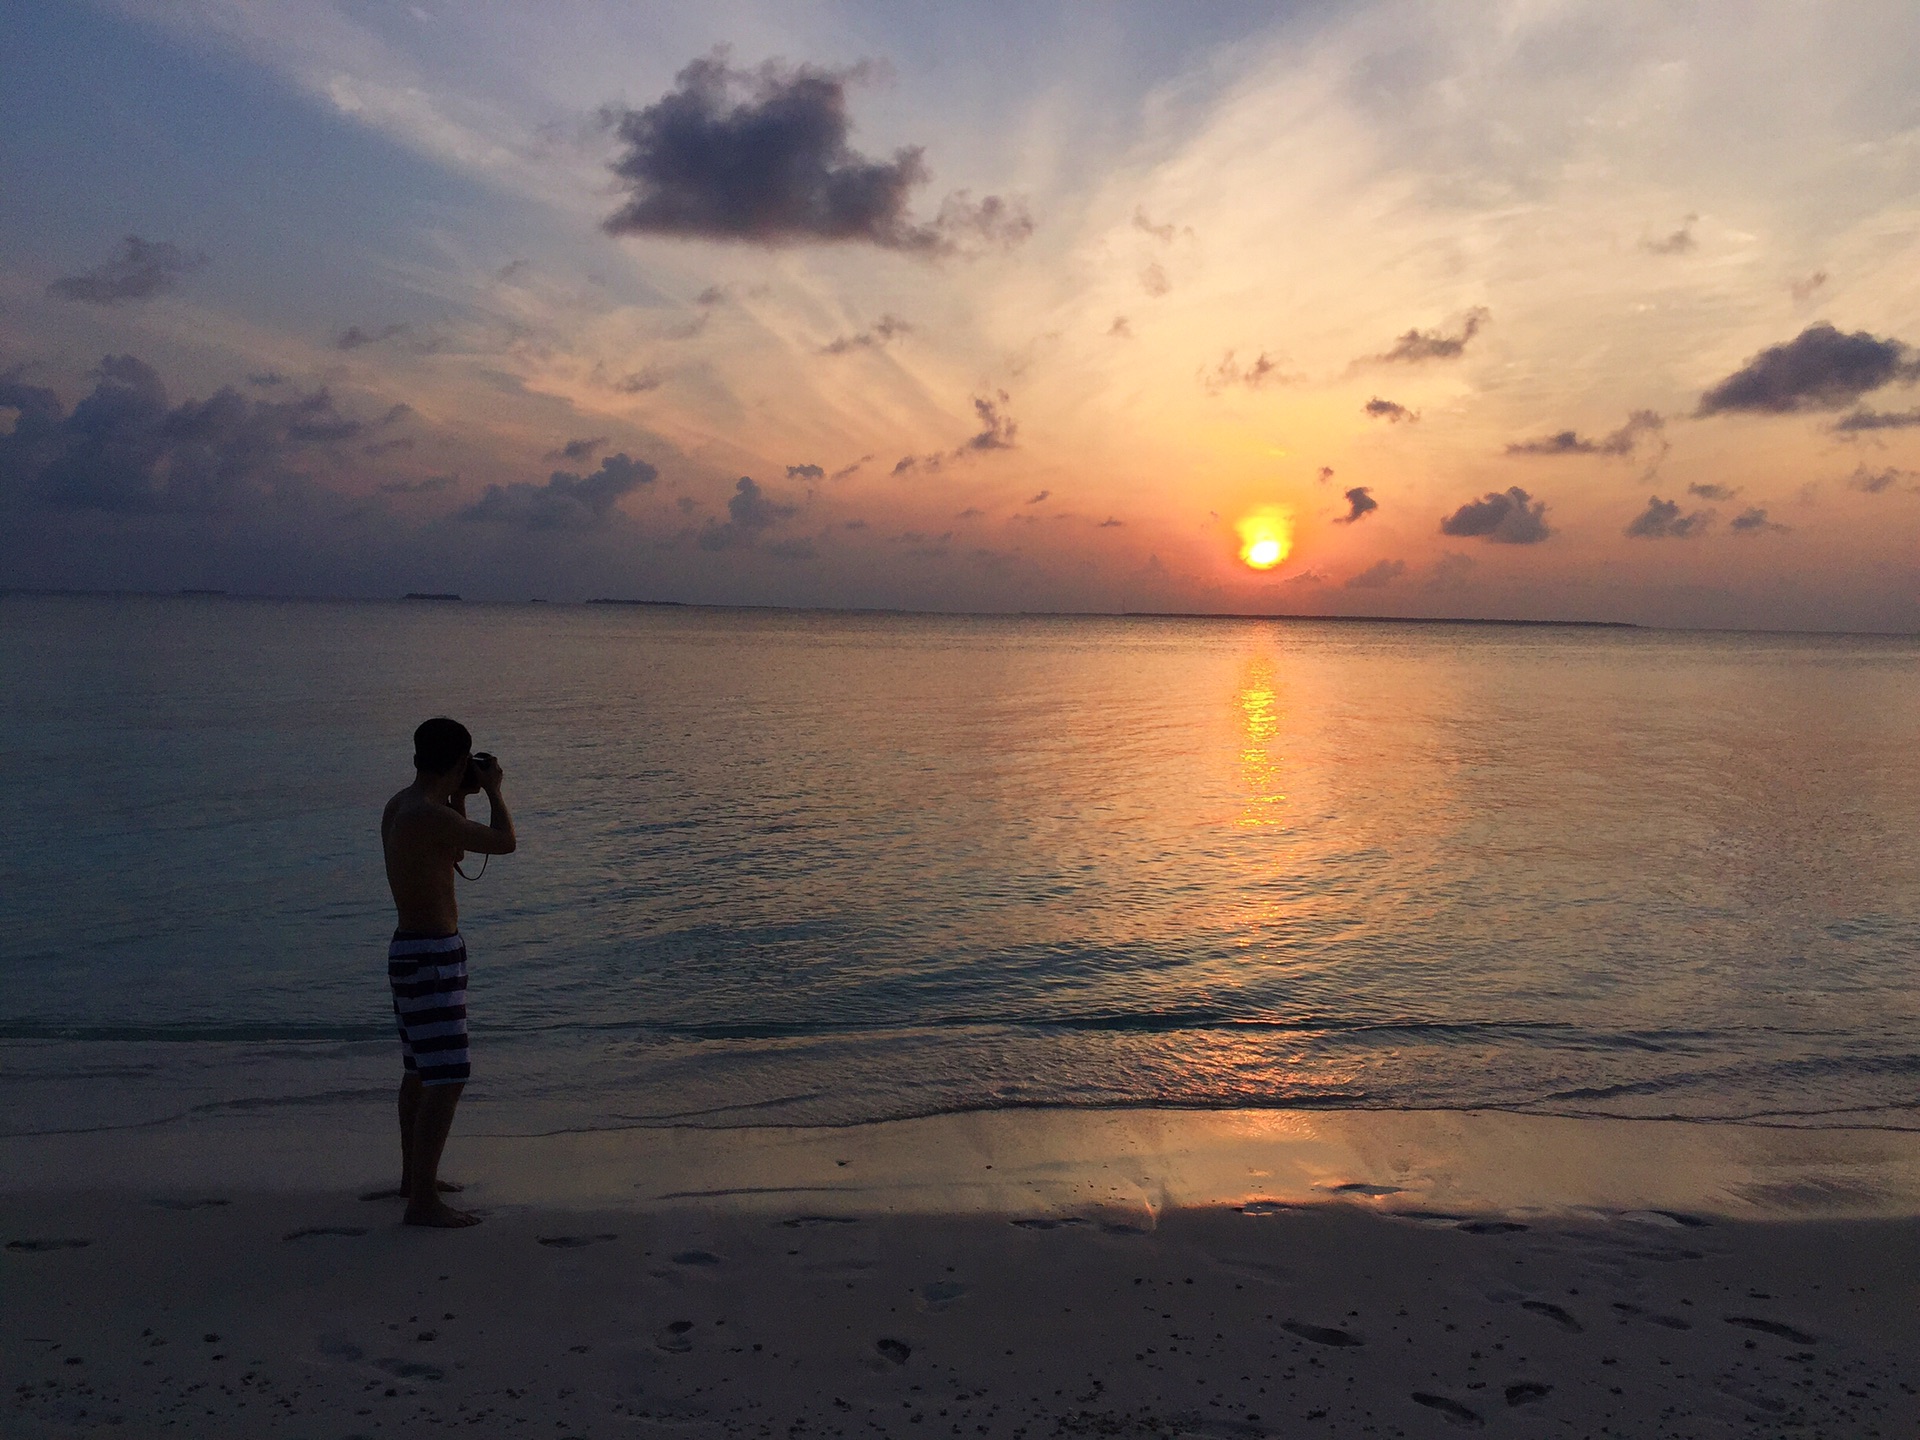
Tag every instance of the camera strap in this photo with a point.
(483, 869)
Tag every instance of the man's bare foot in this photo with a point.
(445, 1187)
(440, 1216)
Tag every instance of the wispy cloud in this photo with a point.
(139, 270)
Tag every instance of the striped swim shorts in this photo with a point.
(428, 974)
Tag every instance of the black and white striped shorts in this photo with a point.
(428, 974)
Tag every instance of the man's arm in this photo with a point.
(496, 836)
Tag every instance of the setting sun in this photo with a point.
(1265, 538)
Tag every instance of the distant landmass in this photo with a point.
(611, 600)
(430, 595)
(193, 590)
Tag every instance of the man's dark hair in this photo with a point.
(440, 744)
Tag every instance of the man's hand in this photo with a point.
(490, 774)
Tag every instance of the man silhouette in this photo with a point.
(425, 833)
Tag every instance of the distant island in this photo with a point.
(196, 591)
(611, 600)
(430, 595)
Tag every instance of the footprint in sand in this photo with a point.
(939, 1294)
(190, 1204)
(1491, 1227)
(410, 1369)
(350, 1231)
(38, 1247)
(676, 1337)
(897, 1351)
(339, 1347)
(1634, 1312)
(799, 1221)
(1769, 1327)
(1265, 1207)
(1321, 1334)
(696, 1257)
(574, 1242)
(1554, 1313)
(1525, 1392)
(1456, 1413)
(1360, 1187)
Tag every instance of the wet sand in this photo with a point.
(876, 1281)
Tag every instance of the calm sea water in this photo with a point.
(813, 868)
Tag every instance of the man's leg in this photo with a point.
(409, 1109)
(432, 1120)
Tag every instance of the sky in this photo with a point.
(1543, 309)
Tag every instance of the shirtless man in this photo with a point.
(425, 833)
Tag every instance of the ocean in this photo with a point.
(793, 868)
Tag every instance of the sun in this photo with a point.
(1265, 538)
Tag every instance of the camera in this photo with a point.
(472, 780)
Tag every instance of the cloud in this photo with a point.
(578, 451)
(1679, 242)
(1153, 279)
(1754, 521)
(1875, 482)
(872, 338)
(1804, 287)
(1163, 233)
(1326, 474)
(1390, 410)
(427, 485)
(1420, 345)
(1450, 571)
(1819, 369)
(750, 512)
(637, 382)
(1230, 372)
(1569, 442)
(846, 470)
(805, 472)
(1360, 504)
(1662, 520)
(761, 157)
(1121, 329)
(1864, 419)
(566, 501)
(139, 270)
(355, 338)
(1110, 523)
(972, 512)
(996, 429)
(1040, 498)
(1712, 492)
(124, 447)
(1506, 517)
(792, 549)
(1383, 572)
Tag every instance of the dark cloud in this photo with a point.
(1039, 498)
(1507, 517)
(426, 485)
(355, 338)
(1360, 504)
(907, 464)
(1420, 345)
(793, 549)
(389, 447)
(1121, 329)
(997, 429)
(972, 512)
(1864, 419)
(1821, 368)
(1110, 523)
(1256, 373)
(750, 513)
(1678, 242)
(266, 379)
(805, 472)
(1662, 520)
(138, 270)
(1326, 474)
(566, 501)
(1875, 482)
(1389, 410)
(1754, 521)
(1623, 441)
(1712, 492)
(579, 451)
(1383, 572)
(762, 157)
(636, 382)
(872, 338)
(124, 447)
(1450, 571)
(846, 470)
(711, 296)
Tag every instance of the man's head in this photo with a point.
(441, 745)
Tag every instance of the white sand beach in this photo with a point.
(999, 1274)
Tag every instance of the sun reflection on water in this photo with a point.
(1259, 767)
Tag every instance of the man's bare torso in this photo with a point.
(420, 861)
